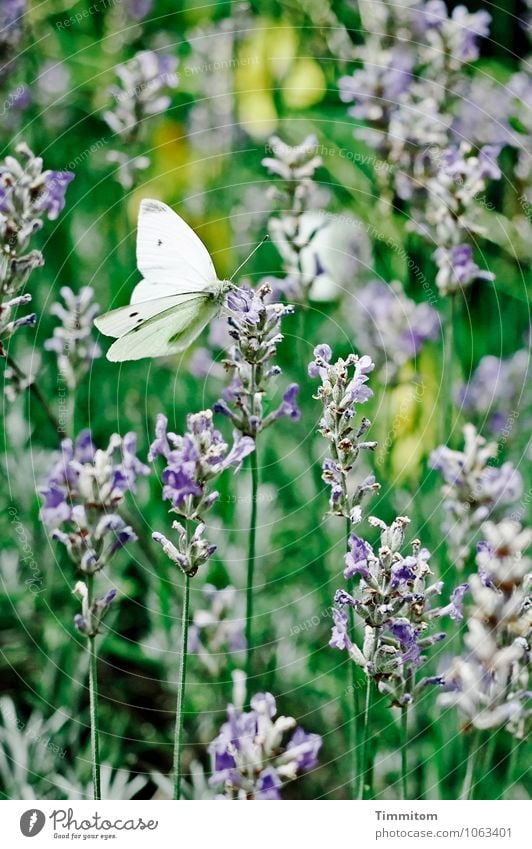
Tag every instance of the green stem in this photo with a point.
(252, 541)
(353, 725)
(93, 703)
(34, 389)
(447, 381)
(472, 758)
(514, 754)
(93, 698)
(178, 734)
(365, 772)
(404, 743)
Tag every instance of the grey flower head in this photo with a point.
(473, 490)
(292, 164)
(140, 94)
(72, 340)
(293, 229)
(461, 175)
(343, 387)
(92, 613)
(489, 683)
(217, 632)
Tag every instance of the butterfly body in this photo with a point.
(179, 295)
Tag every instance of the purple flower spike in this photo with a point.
(250, 756)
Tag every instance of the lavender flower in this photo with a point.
(495, 391)
(92, 612)
(489, 684)
(138, 9)
(72, 340)
(294, 167)
(405, 92)
(11, 31)
(139, 95)
(193, 462)
(211, 76)
(391, 326)
(83, 494)
(450, 213)
(473, 490)
(394, 598)
(340, 392)
(251, 758)
(255, 325)
(27, 194)
(215, 632)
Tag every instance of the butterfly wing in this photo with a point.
(170, 256)
(124, 319)
(168, 332)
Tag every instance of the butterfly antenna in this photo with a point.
(253, 252)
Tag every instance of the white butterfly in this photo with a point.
(178, 297)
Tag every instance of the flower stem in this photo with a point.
(472, 758)
(93, 699)
(364, 761)
(34, 389)
(252, 539)
(93, 703)
(353, 725)
(178, 734)
(404, 743)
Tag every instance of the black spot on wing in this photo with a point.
(133, 314)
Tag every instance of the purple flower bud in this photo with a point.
(339, 635)
(356, 559)
(52, 199)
